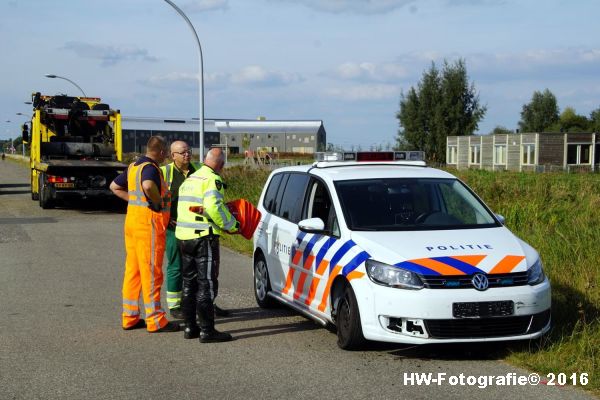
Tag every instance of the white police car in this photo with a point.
(387, 249)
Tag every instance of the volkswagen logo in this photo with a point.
(480, 282)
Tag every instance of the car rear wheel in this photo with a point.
(349, 329)
(262, 286)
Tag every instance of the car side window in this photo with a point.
(280, 192)
(320, 206)
(269, 201)
(293, 197)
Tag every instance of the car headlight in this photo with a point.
(390, 275)
(535, 274)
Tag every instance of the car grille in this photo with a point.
(486, 327)
(464, 281)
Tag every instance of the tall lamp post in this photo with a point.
(66, 79)
(22, 138)
(200, 80)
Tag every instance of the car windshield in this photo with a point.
(411, 204)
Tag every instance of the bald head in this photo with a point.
(181, 154)
(215, 159)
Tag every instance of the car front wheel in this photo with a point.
(349, 329)
(262, 286)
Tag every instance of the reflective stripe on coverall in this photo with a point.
(144, 244)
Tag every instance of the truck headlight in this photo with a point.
(535, 274)
(390, 275)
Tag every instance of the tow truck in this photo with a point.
(76, 148)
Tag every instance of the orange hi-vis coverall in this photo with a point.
(145, 245)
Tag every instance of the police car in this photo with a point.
(385, 248)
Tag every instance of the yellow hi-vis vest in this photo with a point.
(168, 172)
(203, 188)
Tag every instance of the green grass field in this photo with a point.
(556, 213)
(559, 215)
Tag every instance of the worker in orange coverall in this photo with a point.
(143, 187)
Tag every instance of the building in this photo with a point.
(525, 152)
(274, 136)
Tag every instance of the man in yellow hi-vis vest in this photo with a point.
(198, 238)
(175, 173)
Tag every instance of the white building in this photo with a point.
(283, 136)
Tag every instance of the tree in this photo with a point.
(570, 121)
(501, 130)
(540, 113)
(595, 120)
(443, 104)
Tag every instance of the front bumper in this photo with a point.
(425, 316)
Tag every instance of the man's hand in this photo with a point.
(152, 193)
(119, 191)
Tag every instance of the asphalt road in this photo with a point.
(60, 332)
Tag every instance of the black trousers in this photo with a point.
(200, 272)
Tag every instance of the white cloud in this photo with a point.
(255, 75)
(354, 6)
(539, 64)
(109, 55)
(366, 71)
(205, 5)
(364, 92)
(252, 75)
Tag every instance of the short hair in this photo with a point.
(216, 154)
(156, 144)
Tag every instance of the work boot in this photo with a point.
(220, 312)
(169, 327)
(176, 313)
(140, 324)
(191, 331)
(214, 336)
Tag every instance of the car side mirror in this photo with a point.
(312, 225)
(500, 219)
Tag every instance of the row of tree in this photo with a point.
(541, 114)
(444, 103)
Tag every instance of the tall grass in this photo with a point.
(559, 215)
(242, 183)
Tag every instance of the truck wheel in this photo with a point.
(262, 286)
(349, 329)
(46, 202)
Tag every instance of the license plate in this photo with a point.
(483, 309)
(64, 185)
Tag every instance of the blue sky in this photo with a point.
(343, 61)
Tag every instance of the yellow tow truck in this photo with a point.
(76, 148)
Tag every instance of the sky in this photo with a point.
(345, 62)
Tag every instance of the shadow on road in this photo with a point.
(276, 329)
(12, 186)
(109, 205)
(454, 351)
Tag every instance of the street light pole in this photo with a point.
(66, 79)
(200, 80)
(22, 138)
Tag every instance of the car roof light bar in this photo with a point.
(369, 156)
